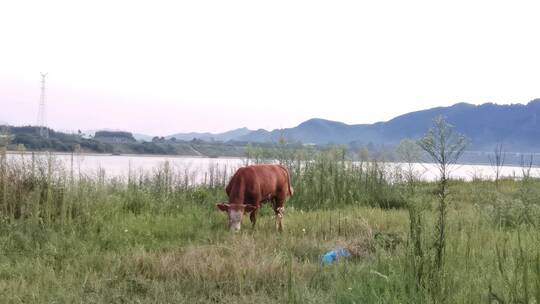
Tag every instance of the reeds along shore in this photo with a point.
(155, 237)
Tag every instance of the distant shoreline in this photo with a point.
(121, 155)
(11, 152)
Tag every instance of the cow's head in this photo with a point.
(235, 213)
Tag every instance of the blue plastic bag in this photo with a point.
(332, 256)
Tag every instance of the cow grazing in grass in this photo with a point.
(252, 186)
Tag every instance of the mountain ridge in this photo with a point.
(516, 125)
(207, 136)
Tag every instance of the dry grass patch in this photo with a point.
(242, 265)
(249, 262)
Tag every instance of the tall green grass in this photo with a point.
(156, 237)
(329, 180)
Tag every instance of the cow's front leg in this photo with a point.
(253, 217)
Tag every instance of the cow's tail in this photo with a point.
(291, 190)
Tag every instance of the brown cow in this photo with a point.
(253, 185)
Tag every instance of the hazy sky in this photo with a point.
(160, 67)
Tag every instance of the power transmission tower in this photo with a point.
(42, 115)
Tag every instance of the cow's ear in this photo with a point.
(250, 208)
(223, 207)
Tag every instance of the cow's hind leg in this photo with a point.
(279, 210)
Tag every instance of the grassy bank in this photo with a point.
(154, 238)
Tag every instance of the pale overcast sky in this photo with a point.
(160, 67)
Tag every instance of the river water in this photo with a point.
(199, 168)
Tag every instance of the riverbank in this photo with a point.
(197, 167)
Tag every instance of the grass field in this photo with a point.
(155, 239)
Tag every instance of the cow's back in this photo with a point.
(258, 182)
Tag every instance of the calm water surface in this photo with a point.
(199, 168)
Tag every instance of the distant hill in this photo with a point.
(314, 131)
(516, 125)
(115, 137)
(115, 142)
(56, 141)
(142, 137)
(226, 136)
(137, 136)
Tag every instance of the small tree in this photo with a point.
(5, 137)
(497, 162)
(444, 146)
(409, 153)
(364, 154)
(526, 166)
(253, 155)
(281, 151)
(526, 188)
